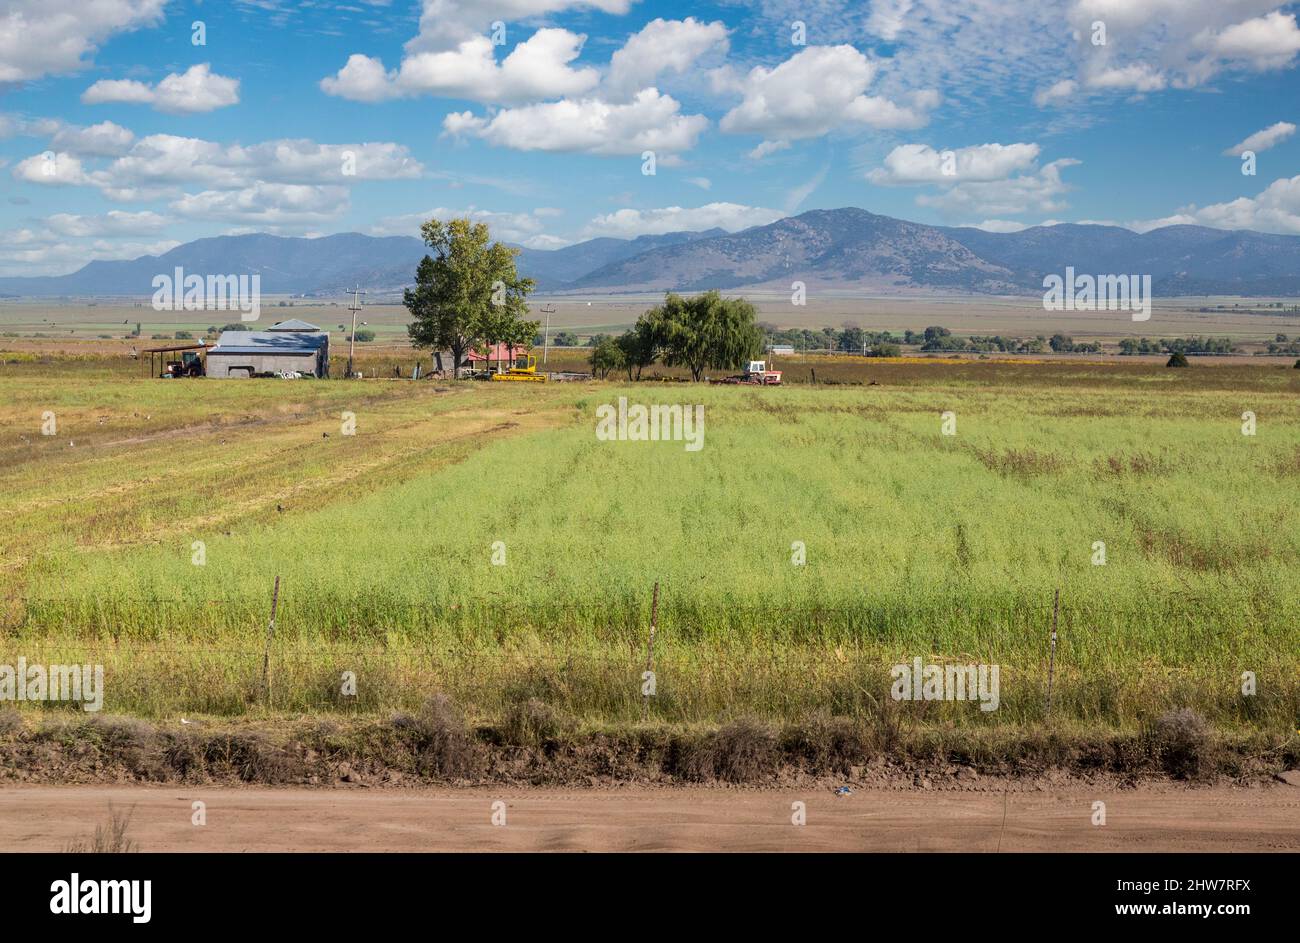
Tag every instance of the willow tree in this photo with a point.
(708, 332)
(467, 289)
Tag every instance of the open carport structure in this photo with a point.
(172, 361)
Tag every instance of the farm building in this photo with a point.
(780, 350)
(290, 346)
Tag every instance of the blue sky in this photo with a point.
(119, 136)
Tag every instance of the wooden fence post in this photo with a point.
(650, 648)
(270, 634)
(1051, 655)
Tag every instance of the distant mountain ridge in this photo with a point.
(845, 249)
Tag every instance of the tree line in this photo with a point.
(703, 332)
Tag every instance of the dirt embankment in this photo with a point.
(534, 746)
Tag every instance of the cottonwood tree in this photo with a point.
(467, 288)
(709, 332)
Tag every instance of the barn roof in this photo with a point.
(293, 324)
(268, 342)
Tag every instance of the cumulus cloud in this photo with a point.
(661, 46)
(43, 37)
(26, 252)
(52, 169)
(1263, 140)
(816, 90)
(267, 205)
(158, 164)
(197, 89)
(536, 68)
(105, 139)
(1041, 192)
(650, 121)
(910, 164)
(1275, 210)
(628, 223)
(112, 223)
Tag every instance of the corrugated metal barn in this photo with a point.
(290, 346)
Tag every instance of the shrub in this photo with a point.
(1179, 359)
(439, 739)
(743, 751)
(1181, 738)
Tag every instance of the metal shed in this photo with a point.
(291, 346)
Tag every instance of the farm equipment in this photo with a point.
(756, 374)
(523, 370)
(190, 365)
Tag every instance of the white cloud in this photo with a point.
(1263, 140)
(156, 165)
(1000, 225)
(888, 18)
(910, 164)
(42, 37)
(53, 169)
(651, 121)
(661, 46)
(27, 253)
(1038, 192)
(704, 183)
(537, 68)
(1266, 42)
(1057, 92)
(197, 89)
(444, 24)
(1156, 44)
(815, 91)
(628, 223)
(1140, 77)
(525, 229)
(112, 223)
(269, 205)
(1275, 210)
(105, 139)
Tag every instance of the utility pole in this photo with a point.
(352, 341)
(548, 310)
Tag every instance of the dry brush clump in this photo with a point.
(439, 743)
(742, 751)
(1181, 741)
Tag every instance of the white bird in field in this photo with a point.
(184, 721)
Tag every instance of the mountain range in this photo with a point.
(848, 250)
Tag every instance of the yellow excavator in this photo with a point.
(523, 370)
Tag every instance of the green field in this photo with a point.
(917, 544)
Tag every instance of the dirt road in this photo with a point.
(41, 818)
